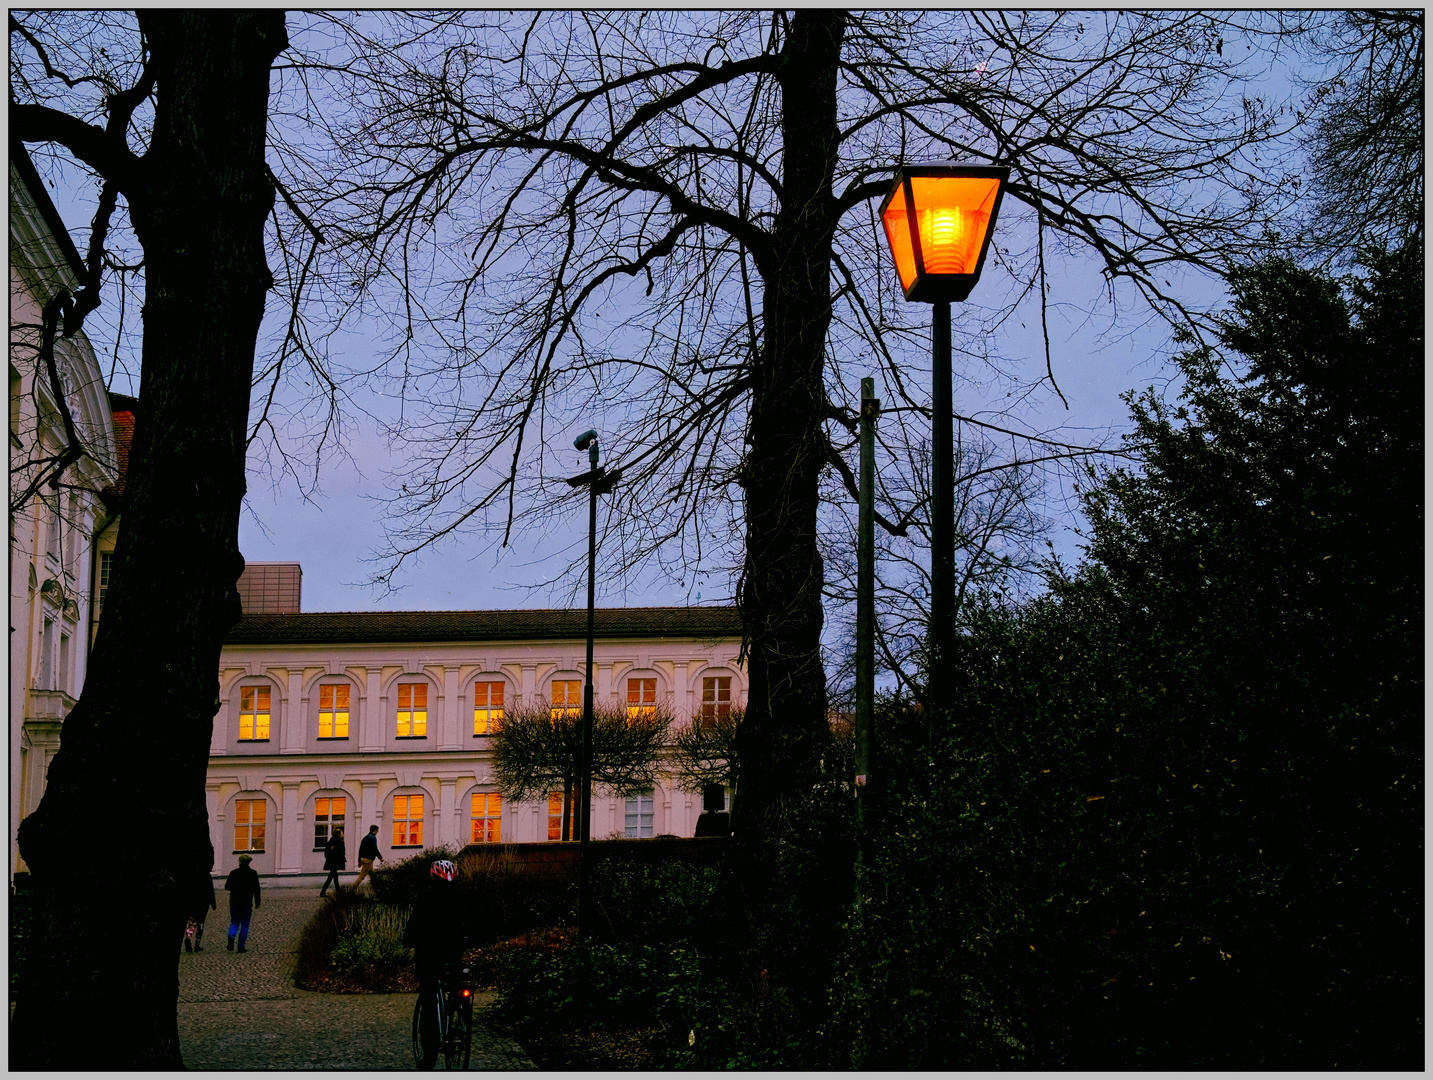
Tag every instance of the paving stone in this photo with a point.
(241, 1011)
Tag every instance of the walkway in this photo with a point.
(242, 1012)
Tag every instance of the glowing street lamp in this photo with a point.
(939, 218)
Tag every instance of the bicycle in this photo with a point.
(454, 1004)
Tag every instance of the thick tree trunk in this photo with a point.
(123, 826)
(784, 729)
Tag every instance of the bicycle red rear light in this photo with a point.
(467, 993)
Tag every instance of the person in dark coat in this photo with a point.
(435, 933)
(243, 886)
(335, 858)
(367, 852)
(200, 902)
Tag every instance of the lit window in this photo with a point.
(641, 698)
(333, 711)
(566, 697)
(716, 697)
(487, 707)
(254, 713)
(554, 815)
(407, 821)
(249, 816)
(106, 561)
(639, 817)
(327, 816)
(412, 710)
(487, 817)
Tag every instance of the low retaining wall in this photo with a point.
(559, 858)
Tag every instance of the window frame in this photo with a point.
(268, 713)
(492, 818)
(408, 818)
(650, 798)
(416, 716)
(567, 709)
(719, 709)
(326, 821)
(645, 706)
(334, 711)
(489, 724)
(262, 823)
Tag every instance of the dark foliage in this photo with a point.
(1176, 819)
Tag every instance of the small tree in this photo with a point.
(539, 749)
(704, 752)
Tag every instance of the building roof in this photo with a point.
(371, 627)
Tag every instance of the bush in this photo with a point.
(600, 987)
(22, 912)
(651, 902)
(371, 949)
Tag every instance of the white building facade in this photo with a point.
(53, 527)
(387, 719)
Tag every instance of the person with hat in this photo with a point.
(243, 887)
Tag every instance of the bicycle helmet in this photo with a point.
(445, 869)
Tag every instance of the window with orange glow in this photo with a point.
(249, 820)
(641, 698)
(333, 711)
(487, 707)
(407, 821)
(327, 815)
(716, 697)
(254, 713)
(487, 817)
(566, 697)
(412, 710)
(554, 815)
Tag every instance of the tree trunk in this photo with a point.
(784, 729)
(123, 827)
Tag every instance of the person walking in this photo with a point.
(201, 901)
(335, 858)
(243, 887)
(367, 852)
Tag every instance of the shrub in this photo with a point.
(371, 949)
(651, 902)
(597, 986)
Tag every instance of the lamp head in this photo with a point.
(586, 439)
(938, 219)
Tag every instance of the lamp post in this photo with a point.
(598, 481)
(938, 219)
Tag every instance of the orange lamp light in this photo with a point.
(938, 219)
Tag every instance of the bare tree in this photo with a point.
(667, 220)
(704, 752)
(539, 749)
(1366, 143)
(170, 109)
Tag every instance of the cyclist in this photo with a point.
(434, 932)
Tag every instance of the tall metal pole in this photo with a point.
(865, 615)
(585, 787)
(866, 585)
(942, 512)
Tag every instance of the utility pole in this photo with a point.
(598, 481)
(865, 615)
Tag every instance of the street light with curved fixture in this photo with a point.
(938, 219)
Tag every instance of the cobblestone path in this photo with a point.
(241, 1011)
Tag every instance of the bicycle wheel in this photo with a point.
(453, 1038)
(466, 1012)
(426, 1044)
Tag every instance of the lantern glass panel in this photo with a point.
(898, 236)
(953, 214)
